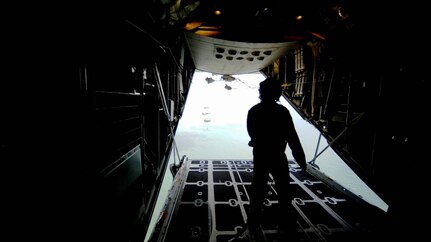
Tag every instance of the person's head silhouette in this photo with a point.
(270, 89)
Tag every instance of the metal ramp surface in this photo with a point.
(209, 202)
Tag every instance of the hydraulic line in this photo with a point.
(166, 110)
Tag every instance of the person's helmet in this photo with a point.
(270, 89)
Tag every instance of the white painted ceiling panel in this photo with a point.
(227, 57)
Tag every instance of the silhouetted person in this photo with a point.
(271, 128)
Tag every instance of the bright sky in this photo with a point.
(213, 125)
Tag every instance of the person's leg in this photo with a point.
(253, 231)
(258, 187)
(280, 172)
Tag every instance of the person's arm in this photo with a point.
(250, 127)
(295, 145)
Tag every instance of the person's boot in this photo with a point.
(288, 232)
(256, 233)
